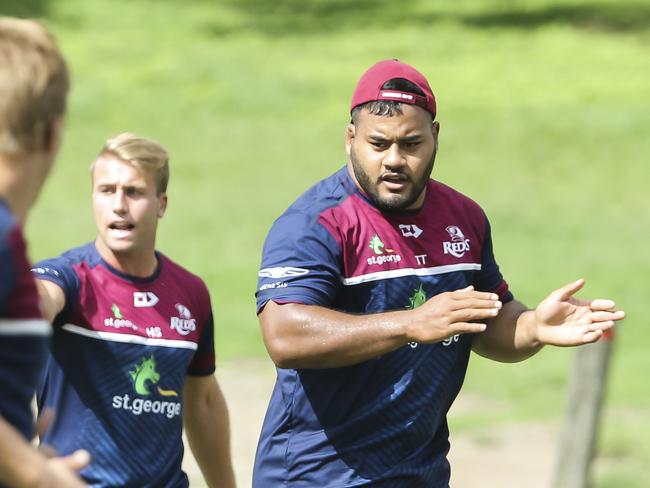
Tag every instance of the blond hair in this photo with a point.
(33, 86)
(145, 154)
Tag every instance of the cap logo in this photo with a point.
(392, 94)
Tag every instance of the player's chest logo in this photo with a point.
(144, 299)
(418, 298)
(118, 321)
(458, 244)
(380, 253)
(184, 324)
(410, 230)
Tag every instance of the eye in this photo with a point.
(412, 144)
(378, 144)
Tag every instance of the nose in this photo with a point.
(119, 202)
(393, 157)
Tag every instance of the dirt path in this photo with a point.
(511, 456)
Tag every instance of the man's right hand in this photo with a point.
(61, 472)
(451, 313)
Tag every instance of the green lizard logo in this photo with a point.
(376, 245)
(144, 372)
(116, 312)
(418, 298)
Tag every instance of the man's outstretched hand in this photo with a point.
(564, 320)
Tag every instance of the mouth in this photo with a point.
(121, 228)
(394, 181)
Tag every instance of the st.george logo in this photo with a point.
(418, 298)
(117, 321)
(147, 400)
(144, 374)
(458, 245)
(382, 254)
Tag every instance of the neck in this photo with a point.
(19, 184)
(140, 264)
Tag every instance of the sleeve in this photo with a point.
(490, 278)
(60, 272)
(7, 273)
(203, 362)
(301, 263)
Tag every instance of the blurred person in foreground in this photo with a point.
(33, 92)
(374, 287)
(133, 344)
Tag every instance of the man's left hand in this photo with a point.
(564, 320)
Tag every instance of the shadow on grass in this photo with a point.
(621, 17)
(24, 8)
(279, 18)
(304, 17)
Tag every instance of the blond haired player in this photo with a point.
(133, 352)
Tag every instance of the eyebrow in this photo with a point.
(407, 139)
(126, 186)
(413, 138)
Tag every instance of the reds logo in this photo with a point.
(184, 324)
(458, 245)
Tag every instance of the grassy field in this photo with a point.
(544, 110)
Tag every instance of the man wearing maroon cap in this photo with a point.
(375, 286)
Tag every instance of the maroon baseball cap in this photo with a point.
(370, 85)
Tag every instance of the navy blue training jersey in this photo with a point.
(382, 422)
(23, 331)
(121, 350)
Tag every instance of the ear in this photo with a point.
(350, 133)
(163, 205)
(435, 130)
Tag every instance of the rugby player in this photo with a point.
(375, 286)
(33, 93)
(132, 349)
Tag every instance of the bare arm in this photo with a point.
(310, 336)
(52, 298)
(21, 465)
(560, 320)
(509, 337)
(205, 416)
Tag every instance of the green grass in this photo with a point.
(544, 109)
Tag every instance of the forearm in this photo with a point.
(21, 465)
(511, 336)
(207, 428)
(308, 336)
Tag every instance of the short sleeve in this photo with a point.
(301, 263)
(7, 273)
(490, 278)
(203, 362)
(60, 272)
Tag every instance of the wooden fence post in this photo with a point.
(580, 428)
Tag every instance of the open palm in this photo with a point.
(564, 320)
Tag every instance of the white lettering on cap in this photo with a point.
(390, 94)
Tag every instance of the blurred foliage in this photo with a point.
(294, 17)
(24, 8)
